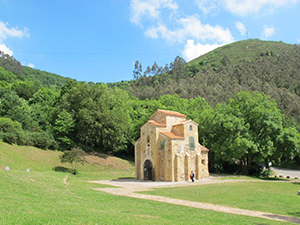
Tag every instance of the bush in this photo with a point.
(8, 125)
(10, 138)
(43, 140)
(75, 157)
(256, 169)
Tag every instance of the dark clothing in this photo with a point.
(192, 176)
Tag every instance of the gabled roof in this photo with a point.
(155, 123)
(171, 135)
(186, 121)
(203, 149)
(169, 113)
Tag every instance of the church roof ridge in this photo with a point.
(171, 135)
(171, 113)
(155, 123)
(204, 149)
(185, 121)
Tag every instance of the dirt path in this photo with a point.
(129, 187)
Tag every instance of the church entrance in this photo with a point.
(148, 170)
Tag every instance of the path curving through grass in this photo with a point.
(130, 187)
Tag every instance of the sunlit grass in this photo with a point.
(41, 196)
(274, 197)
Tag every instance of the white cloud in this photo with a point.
(5, 49)
(247, 7)
(298, 40)
(241, 27)
(149, 9)
(192, 50)
(6, 32)
(207, 6)
(268, 32)
(243, 8)
(191, 27)
(30, 65)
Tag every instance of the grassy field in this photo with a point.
(279, 197)
(41, 197)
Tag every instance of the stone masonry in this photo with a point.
(168, 149)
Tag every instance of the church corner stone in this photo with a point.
(168, 149)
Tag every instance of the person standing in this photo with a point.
(192, 176)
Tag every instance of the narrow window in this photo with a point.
(191, 127)
(148, 139)
(162, 145)
(192, 143)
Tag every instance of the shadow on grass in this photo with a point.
(62, 169)
(284, 218)
(295, 214)
(274, 178)
(296, 182)
(125, 177)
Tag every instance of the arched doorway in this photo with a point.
(148, 170)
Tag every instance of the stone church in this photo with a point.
(168, 149)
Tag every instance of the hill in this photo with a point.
(35, 159)
(11, 70)
(252, 65)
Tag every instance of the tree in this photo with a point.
(288, 145)
(100, 114)
(75, 157)
(63, 125)
(154, 69)
(137, 70)
(178, 69)
(245, 130)
(147, 71)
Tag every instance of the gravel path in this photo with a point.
(286, 172)
(129, 187)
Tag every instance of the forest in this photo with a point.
(246, 103)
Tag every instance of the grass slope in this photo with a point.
(242, 50)
(41, 197)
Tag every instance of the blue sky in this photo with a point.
(99, 40)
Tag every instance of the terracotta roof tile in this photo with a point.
(172, 135)
(171, 113)
(185, 121)
(155, 123)
(204, 149)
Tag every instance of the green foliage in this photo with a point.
(75, 157)
(63, 125)
(7, 76)
(249, 129)
(101, 115)
(10, 64)
(8, 125)
(25, 90)
(222, 73)
(56, 112)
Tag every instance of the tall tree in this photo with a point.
(137, 70)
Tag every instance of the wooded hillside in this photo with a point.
(252, 65)
(217, 90)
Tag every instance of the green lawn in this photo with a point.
(274, 197)
(41, 197)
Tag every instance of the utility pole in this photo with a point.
(247, 35)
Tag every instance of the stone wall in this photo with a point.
(174, 160)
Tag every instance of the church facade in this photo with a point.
(168, 149)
